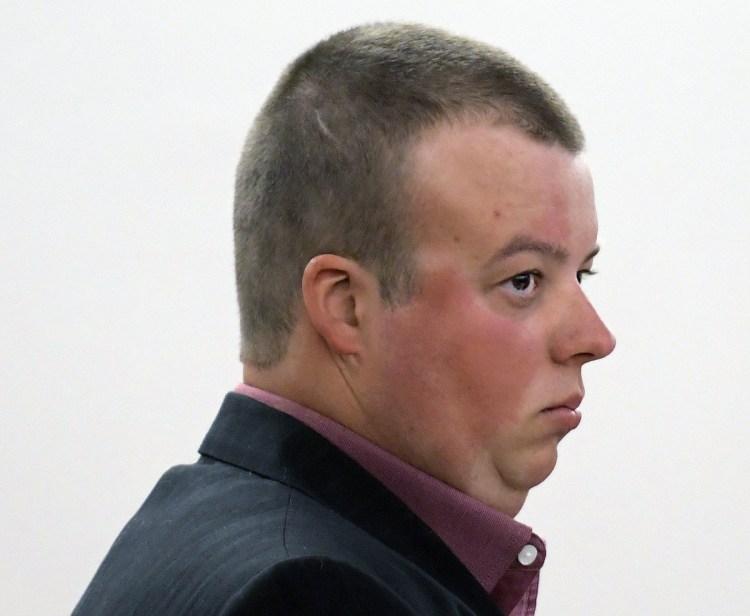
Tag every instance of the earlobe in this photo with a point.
(333, 296)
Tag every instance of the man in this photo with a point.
(413, 219)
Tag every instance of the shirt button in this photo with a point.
(527, 555)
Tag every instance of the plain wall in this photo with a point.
(120, 127)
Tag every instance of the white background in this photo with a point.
(120, 126)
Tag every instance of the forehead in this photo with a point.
(471, 180)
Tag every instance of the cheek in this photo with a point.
(498, 363)
(463, 360)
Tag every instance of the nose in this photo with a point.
(582, 335)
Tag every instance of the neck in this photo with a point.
(311, 379)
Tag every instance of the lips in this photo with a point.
(565, 414)
(571, 403)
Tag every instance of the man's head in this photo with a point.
(413, 221)
(325, 166)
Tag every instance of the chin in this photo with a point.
(536, 469)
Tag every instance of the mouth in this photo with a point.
(565, 414)
(571, 403)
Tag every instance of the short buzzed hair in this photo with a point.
(325, 165)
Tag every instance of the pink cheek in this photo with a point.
(500, 364)
(450, 344)
(422, 342)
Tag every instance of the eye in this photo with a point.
(584, 273)
(523, 285)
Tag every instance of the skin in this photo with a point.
(476, 379)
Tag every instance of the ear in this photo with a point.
(335, 291)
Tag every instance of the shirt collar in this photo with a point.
(486, 541)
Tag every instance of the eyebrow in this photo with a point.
(526, 243)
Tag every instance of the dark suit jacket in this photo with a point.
(273, 519)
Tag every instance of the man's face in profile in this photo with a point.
(478, 376)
